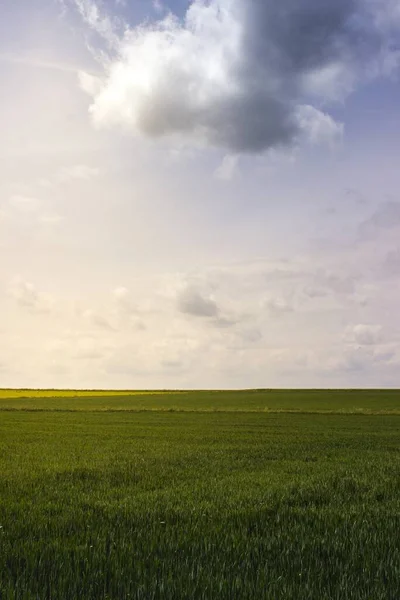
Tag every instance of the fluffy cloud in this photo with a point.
(324, 282)
(24, 204)
(278, 306)
(27, 296)
(76, 172)
(192, 302)
(243, 76)
(227, 168)
(29, 213)
(190, 337)
(122, 301)
(97, 319)
(365, 335)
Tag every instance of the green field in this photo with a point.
(304, 401)
(200, 495)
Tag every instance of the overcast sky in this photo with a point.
(200, 194)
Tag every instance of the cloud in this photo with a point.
(158, 6)
(29, 61)
(70, 173)
(244, 76)
(89, 349)
(50, 220)
(364, 335)
(385, 217)
(24, 204)
(103, 25)
(123, 302)
(250, 335)
(318, 127)
(76, 172)
(97, 319)
(378, 364)
(391, 263)
(324, 283)
(191, 302)
(227, 168)
(28, 212)
(27, 296)
(278, 306)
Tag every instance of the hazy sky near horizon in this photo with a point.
(200, 194)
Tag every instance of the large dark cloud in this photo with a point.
(243, 75)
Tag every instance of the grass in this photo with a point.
(304, 401)
(151, 504)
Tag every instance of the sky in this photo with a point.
(199, 194)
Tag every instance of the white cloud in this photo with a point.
(24, 204)
(318, 127)
(76, 172)
(324, 282)
(123, 303)
(365, 335)
(227, 168)
(103, 25)
(121, 296)
(97, 319)
(158, 6)
(278, 306)
(243, 76)
(50, 220)
(28, 214)
(27, 296)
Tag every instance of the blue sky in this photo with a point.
(204, 200)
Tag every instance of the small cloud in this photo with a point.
(172, 364)
(356, 196)
(50, 219)
(251, 335)
(391, 263)
(97, 319)
(278, 306)
(76, 172)
(364, 335)
(89, 349)
(224, 322)
(158, 6)
(385, 217)
(27, 296)
(314, 291)
(191, 302)
(121, 294)
(318, 127)
(24, 204)
(90, 84)
(104, 26)
(123, 301)
(324, 282)
(227, 168)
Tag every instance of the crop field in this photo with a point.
(274, 495)
(28, 393)
(304, 401)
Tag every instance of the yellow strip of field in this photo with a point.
(29, 393)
